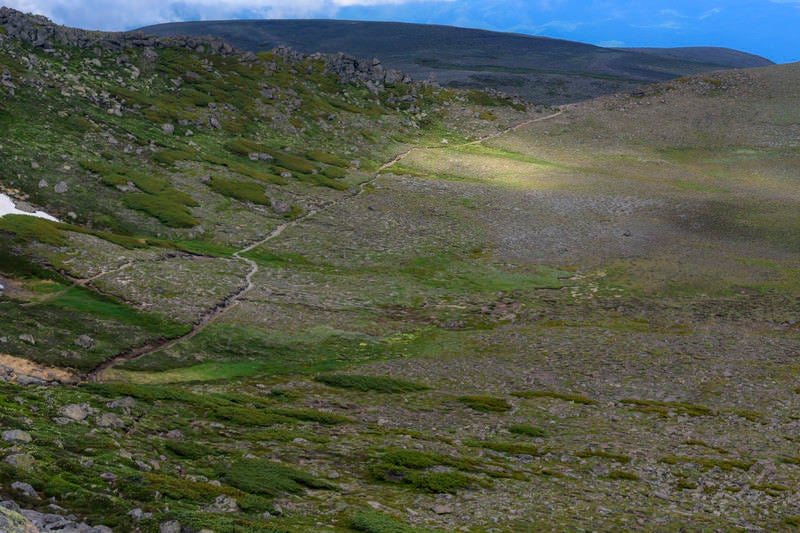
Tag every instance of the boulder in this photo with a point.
(76, 411)
(17, 436)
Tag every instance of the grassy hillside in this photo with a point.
(360, 305)
(540, 69)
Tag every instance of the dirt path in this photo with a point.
(98, 373)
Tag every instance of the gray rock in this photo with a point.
(13, 522)
(442, 509)
(110, 420)
(169, 129)
(174, 434)
(28, 338)
(43, 184)
(61, 187)
(17, 436)
(75, 411)
(122, 403)
(25, 488)
(25, 461)
(85, 341)
(172, 526)
(223, 504)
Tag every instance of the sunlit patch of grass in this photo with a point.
(220, 370)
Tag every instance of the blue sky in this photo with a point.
(770, 28)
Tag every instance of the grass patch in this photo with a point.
(258, 476)
(370, 383)
(486, 404)
(664, 408)
(574, 398)
(246, 191)
(528, 431)
(85, 301)
(705, 462)
(621, 474)
(511, 448)
(164, 208)
(374, 522)
(27, 228)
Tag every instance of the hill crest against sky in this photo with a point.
(541, 69)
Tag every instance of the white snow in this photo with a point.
(7, 207)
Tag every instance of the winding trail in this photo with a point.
(98, 373)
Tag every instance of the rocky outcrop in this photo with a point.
(42, 33)
(370, 72)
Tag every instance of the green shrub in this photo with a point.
(166, 210)
(374, 522)
(576, 398)
(312, 415)
(530, 431)
(248, 416)
(328, 159)
(513, 448)
(604, 455)
(188, 449)
(369, 383)
(259, 476)
(26, 228)
(169, 157)
(487, 404)
(620, 474)
(335, 173)
(411, 459)
(663, 408)
(246, 191)
(440, 482)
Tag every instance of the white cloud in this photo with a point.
(118, 14)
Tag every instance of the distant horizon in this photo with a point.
(766, 28)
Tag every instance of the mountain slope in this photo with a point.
(302, 293)
(539, 69)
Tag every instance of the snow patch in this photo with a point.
(7, 207)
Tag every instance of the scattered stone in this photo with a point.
(85, 341)
(25, 488)
(61, 187)
(75, 411)
(43, 184)
(12, 521)
(17, 436)
(223, 504)
(172, 526)
(175, 434)
(122, 403)
(169, 129)
(280, 207)
(110, 420)
(442, 509)
(108, 476)
(144, 467)
(25, 461)
(138, 514)
(28, 338)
